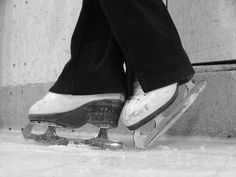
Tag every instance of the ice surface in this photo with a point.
(172, 157)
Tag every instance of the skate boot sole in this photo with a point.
(101, 113)
(154, 114)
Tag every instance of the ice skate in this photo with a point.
(69, 111)
(164, 106)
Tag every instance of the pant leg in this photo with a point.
(96, 64)
(149, 40)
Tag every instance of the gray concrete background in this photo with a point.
(35, 39)
(207, 28)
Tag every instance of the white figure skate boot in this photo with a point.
(143, 107)
(74, 111)
(165, 106)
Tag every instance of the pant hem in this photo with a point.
(166, 79)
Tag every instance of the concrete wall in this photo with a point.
(207, 28)
(34, 46)
(34, 39)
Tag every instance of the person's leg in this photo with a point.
(96, 64)
(153, 52)
(149, 41)
(92, 85)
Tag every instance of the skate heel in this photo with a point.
(105, 113)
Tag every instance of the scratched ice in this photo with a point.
(172, 157)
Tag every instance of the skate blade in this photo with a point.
(164, 123)
(51, 138)
(99, 143)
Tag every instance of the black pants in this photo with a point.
(109, 33)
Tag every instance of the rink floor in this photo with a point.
(173, 157)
